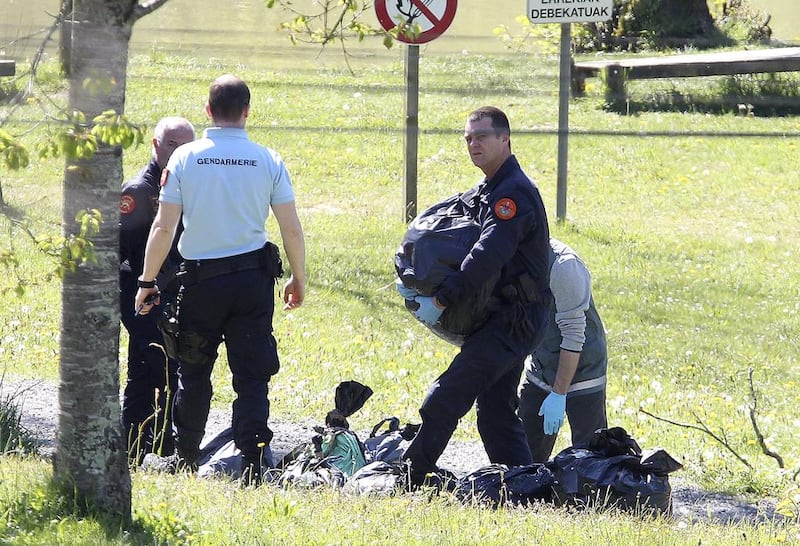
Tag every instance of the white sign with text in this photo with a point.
(569, 11)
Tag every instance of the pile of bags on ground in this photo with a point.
(610, 471)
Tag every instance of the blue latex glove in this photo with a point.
(406, 292)
(553, 409)
(427, 311)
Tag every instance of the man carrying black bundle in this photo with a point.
(512, 247)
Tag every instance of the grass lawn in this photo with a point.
(690, 232)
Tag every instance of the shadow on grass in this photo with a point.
(33, 513)
(13, 213)
(740, 105)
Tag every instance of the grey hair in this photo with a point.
(171, 122)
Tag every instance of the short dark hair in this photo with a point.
(499, 119)
(228, 97)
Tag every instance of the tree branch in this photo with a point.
(702, 428)
(338, 25)
(20, 97)
(752, 412)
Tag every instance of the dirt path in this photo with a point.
(38, 402)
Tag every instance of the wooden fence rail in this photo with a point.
(616, 72)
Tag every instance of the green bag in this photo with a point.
(344, 450)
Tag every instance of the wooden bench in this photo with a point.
(7, 68)
(617, 72)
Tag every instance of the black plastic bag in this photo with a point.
(433, 247)
(349, 398)
(311, 473)
(614, 472)
(378, 478)
(389, 445)
(612, 441)
(220, 457)
(498, 484)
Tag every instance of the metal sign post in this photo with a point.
(545, 11)
(563, 122)
(412, 132)
(431, 18)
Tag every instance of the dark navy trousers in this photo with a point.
(151, 378)
(487, 373)
(236, 307)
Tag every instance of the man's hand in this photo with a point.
(553, 409)
(146, 298)
(406, 292)
(294, 294)
(428, 312)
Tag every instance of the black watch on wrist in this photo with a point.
(145, 284)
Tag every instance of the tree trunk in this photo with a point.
(694, 14)
(91, 459)
(675, 18)
(65, 36)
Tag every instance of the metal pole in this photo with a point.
(563, 121)
(412, 132)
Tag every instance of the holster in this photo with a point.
(188, 347)
(170, 330)
(193, 349)
(513, 304)
(271, 260)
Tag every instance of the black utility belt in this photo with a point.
(220, 266)
(194, 271)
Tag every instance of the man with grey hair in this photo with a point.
(151, 377)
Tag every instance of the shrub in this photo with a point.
(667, 24)
(14, 437)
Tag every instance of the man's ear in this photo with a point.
(208, 110)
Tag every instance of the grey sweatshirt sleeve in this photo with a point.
(570, 282)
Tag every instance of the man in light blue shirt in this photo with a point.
(223, 187)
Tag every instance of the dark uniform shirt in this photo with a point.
(137, 209)
(514, 238)
(150, 379)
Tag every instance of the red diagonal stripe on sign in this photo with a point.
(420, 5)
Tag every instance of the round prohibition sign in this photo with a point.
(432, 16)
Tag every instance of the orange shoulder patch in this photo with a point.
(126, 204)
(505, 209)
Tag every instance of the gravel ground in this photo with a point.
(38, 401)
